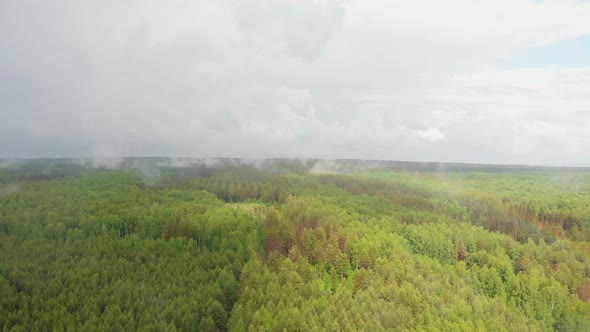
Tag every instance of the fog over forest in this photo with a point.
(294, 165)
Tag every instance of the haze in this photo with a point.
(498, 81)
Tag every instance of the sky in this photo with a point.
(478, 81)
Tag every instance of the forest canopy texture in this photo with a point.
(289, 245)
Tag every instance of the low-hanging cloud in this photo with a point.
(308, 79)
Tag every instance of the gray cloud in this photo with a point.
(327, 79)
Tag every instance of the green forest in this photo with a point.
(287, 245)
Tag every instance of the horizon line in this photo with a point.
(548, 165)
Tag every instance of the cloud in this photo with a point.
(422, 80)
(482, 21)
(430, 134)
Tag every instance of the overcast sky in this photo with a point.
(492, 81)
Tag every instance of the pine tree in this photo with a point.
(462, 252)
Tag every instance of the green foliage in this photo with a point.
(235, 248)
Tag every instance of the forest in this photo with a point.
(153, 244)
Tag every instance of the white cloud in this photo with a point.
(430, 134)
(480, 21)
(421, 80)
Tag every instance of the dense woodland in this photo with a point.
(289, 246)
